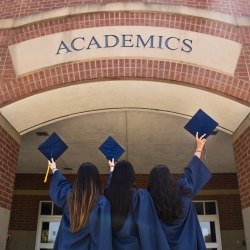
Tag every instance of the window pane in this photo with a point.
(46, 208)
(210, 208)
(208, 231)
(199, 208)
(49, 232)
(57, 210)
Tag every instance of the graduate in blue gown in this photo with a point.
(86, 222)
(135, 223)
(174, 203)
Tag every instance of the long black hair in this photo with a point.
(85, 193)
(121, 192)
(165, 194)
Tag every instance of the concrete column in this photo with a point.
(9, 149)
(241, 143)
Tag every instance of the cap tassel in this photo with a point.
(46, 176)
(205, 152)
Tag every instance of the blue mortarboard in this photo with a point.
(52, 147)
(201, 123)
(111, 149)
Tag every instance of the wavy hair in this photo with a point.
(85, 193)
(165, 194)
(121, 192)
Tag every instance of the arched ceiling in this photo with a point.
(149, 138)
(58, 104)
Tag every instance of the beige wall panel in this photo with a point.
(246, 220)
(233, 239)
(4, 219)
(23, 240)
(207, 51)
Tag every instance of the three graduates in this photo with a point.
(128, 218)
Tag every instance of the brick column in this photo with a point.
(9, 148)
(241, 144)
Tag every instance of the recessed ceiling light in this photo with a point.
(42, 134)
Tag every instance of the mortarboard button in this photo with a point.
(111, 149)
(201, 123)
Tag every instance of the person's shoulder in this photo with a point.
(142, 195)
(102, 202)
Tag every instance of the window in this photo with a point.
(207, 212)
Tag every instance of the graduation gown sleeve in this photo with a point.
(149, 228)
(59, 188)
(195, 176)
(109, 180)
(100, 227)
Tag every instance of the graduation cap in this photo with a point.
(111, 149)
(203, 124)
(52, 147)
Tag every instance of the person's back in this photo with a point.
(134, 220)
(86, 222)
(174, 205)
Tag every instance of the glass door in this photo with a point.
(209, 221)
(46, 233)
(210, 231)
(48, 224)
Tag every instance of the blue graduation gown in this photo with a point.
(96, 234)
(142, 231)
(186, 233)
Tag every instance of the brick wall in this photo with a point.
(15, 8)
(242, 160)
(237, 86)
(9, 149)
(24, 213)
(230, 214)
(35, 181)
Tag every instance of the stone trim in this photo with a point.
(202, 192)
(243, 126)
(129, 7)
(10, 129)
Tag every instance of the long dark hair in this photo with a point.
(121, 192)
(165, 194)
(85, 193)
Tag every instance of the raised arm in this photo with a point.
(59, 186)
(111, 168)
(196, 175)
(200, 142)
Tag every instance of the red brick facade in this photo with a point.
(13, 8)
(9, 149)
(35, 181)
(236, 87)
(24, 213)
(242, 160)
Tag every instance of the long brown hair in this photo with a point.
(165, 194)
(121, 192)
(85, 193)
